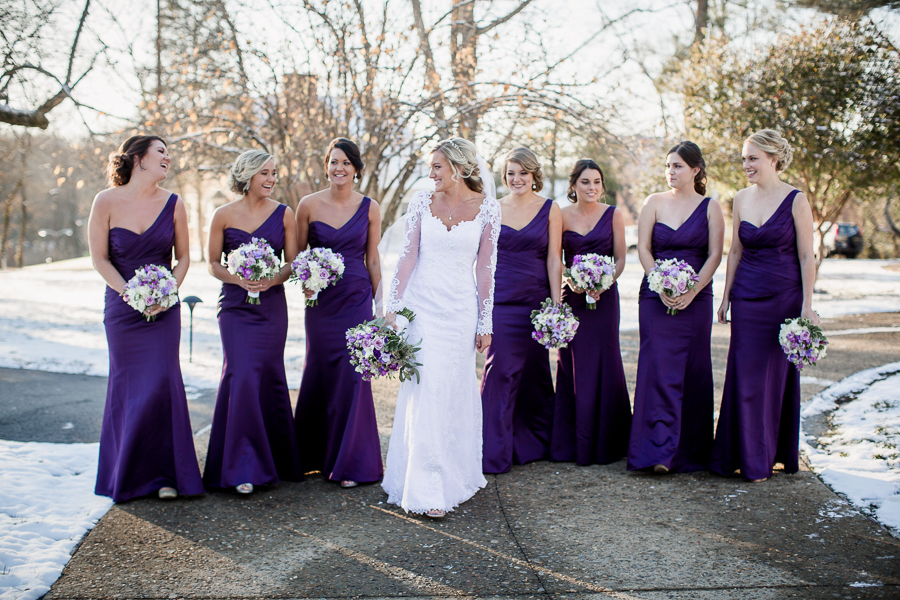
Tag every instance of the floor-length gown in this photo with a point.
(673, 400)
(517, 387)
(759, 420)
(434, 456)
(592, 413)
(335, 418)
(146, 441)
(252, 437)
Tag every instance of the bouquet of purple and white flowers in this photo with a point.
(554, 324)
(151, 286)
(803, 342)
(316, 269)
(376, 350)
(253, 261)
(673, 278)
(592, 272)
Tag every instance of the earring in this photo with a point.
(141, 165)
(533, 186)
(355, 177)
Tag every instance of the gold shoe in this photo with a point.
(348, 483)
(244, 488)
(167, 493)
(661, 469)
(435, 513)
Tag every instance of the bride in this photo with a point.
(434, 456)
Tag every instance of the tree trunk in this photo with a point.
(887, 217)
(701, 20)
(464, 59)
(7, 218)
(23, 230)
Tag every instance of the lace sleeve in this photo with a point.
(409, 253)
(486, 265)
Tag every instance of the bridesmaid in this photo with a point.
(252, 438)
(146, 443)
(771, 272)
(672, 427)
(592, 414)
(517, 388)
(335, 420)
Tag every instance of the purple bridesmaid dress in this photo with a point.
(592, 414)
(759, 421)
(517, 388)
(146, 441)
(335, 420)
(252, 437)
(673, 400)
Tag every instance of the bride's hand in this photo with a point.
(482, 342)
(390, 320)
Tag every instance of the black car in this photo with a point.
(848, 240)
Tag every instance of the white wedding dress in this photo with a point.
(434, 456)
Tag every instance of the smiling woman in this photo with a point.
(145, 442)
(252, 438)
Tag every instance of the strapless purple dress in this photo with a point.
(517, 387)
(335, 419)
(673, 400)
(146, 441)
(592, 413)
(252, 437)
(759, 420)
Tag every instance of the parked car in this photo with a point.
(843, 239)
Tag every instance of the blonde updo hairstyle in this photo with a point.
(775, 146)
(529, 162)
(460, 154)
(245, 167)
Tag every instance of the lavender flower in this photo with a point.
(592, 272)
(673, 278)
(253, 261)
(317, 269)
(802, 342)
(376, 350)
(554, 324)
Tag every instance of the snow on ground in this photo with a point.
(51, 316)
(47, 504)
(859, 456)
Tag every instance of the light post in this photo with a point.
(191, 301)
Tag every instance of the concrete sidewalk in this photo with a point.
(543, 530)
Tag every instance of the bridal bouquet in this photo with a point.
(316, 269)
(803, 342)
(151, 286)
(592, 272)
(253, 261)
(673, 278)
(554, 324)
(376, 350)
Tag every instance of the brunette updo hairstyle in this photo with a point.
(122, 161)
(690, 152)
(461, 155)
(529, 163)
(349, 148)
(775, 146)
(580, 167)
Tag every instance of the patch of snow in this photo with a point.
(862, 330)
(47, 504)
(859, 584)
(859, 458)
(807, 379)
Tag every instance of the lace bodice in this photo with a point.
(430, 248)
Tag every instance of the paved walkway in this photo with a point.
(543, 530)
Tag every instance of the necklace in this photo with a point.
(450, 212)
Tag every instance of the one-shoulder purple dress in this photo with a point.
(252, 437)
(517, 387)
(759, 420)
(335, 419)
(673, 400)
(146, 441)
(592, 412)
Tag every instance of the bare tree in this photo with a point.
(23, 50)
